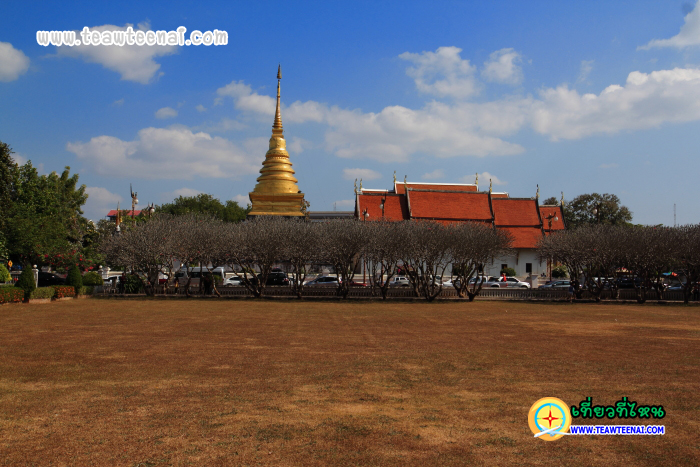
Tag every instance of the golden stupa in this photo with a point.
(277, 193)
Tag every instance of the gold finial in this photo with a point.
(562, 198)
(355, 186)
(394, 177)
(490, 185)
(278, 116)
(360, 185)
(537, 195)
(476, 182)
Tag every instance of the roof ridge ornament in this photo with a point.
(355, 186)
(394, 177)
(476, 182)
(562, 199)
(537, 195)
(490, 186)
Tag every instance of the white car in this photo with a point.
(233, 281)
(399, 281)
(510, 283)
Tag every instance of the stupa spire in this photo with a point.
(278, 115)
(277, 193)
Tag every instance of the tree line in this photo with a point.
(596, 256)
(423, 251)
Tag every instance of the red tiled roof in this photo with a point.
(552, 210)
(499, 195)
(400, 189)
(515, 212)
(460, 206)
(113, 213)
(395, 208)
(523, 237)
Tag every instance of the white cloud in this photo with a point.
(436, 174)
(247, 100)
(201, 108)
(166, 112)
(242, 200)
(100, 201)
(297, 145)
(646, 100)
(13, 62)
(132, 62)
(608, 166)
(463, 128)
(689, 34)
(118, 102)
(365, 174)
(503, 67)
(167, 153)
(484, 178)
(442, 73)
(586, 68)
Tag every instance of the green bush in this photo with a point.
(42, 292)
(26, 281)
(74, 279)
(133, 284)
(11, 295)
(9, 284)
(559, 272)
(62, 291)
(4, 274)
(507, 271)
(86, 290)
(92, 278)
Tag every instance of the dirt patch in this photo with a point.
(208, 382)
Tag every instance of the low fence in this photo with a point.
(407, 292)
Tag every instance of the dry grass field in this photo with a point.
(243, 382)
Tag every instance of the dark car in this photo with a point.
(276, 277)
(628, 282)
(47, 279)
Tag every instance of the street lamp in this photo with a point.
(550, 218)
(134, 200)
(596, 212)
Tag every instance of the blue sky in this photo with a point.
(577, 97)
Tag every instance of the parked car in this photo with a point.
(354, 283)
(276, 277)
(561, 284)
(47, 279)
(399, 281)
(324, 281)
(509, 282)
(628, 282)
(233, 281)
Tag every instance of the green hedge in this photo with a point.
(4, 274)
(92, 278)
(86, 290)
(42, 292)
(62, 291)
(11, 295)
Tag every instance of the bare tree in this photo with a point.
(426, 256)
(302, 246)
(564, 247)
(472, 245)
(146, 248)
(382, 251)
(687, 243)
(255, 245)
(342, 242)
(647, 252)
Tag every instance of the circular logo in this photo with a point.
(549, 415)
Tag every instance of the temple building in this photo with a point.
(523, 218)
(277, 193)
